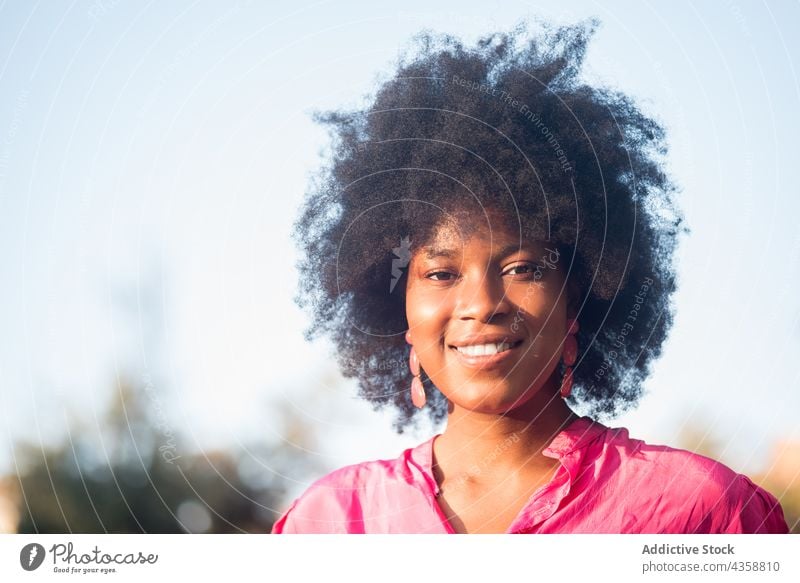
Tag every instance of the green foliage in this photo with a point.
(135, 479)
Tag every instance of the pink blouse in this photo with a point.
(607, 483)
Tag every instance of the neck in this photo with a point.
(503, 443)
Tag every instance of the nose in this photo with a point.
(482, 297)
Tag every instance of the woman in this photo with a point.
(498, 236)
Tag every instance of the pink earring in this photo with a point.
(417, 390)
(569, 355)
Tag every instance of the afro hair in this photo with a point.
(504, 125)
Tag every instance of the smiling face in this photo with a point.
(487, 317)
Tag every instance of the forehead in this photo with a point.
(497, 239)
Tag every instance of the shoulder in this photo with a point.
(689, 492)
(335, 502)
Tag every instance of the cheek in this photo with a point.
(542, 307)
(547, 346)
(427, 313)
(544, 316)
(428, 316)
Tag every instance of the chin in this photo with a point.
(491, 398)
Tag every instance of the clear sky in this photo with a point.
(153, 156)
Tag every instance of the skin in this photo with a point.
(515, 405)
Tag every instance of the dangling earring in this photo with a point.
(570, 354)
(417, 390)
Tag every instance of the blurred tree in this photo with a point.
(138, 484)
(126, 473)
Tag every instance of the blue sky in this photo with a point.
(153, 155)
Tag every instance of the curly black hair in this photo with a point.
(505, 126)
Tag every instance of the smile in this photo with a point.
(485, 355)
(487, 349)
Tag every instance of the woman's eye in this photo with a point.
(437, 273)
(525, 268)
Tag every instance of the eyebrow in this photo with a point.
(433, 252)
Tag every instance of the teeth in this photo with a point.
(484, 349)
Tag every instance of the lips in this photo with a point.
(475, 359)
